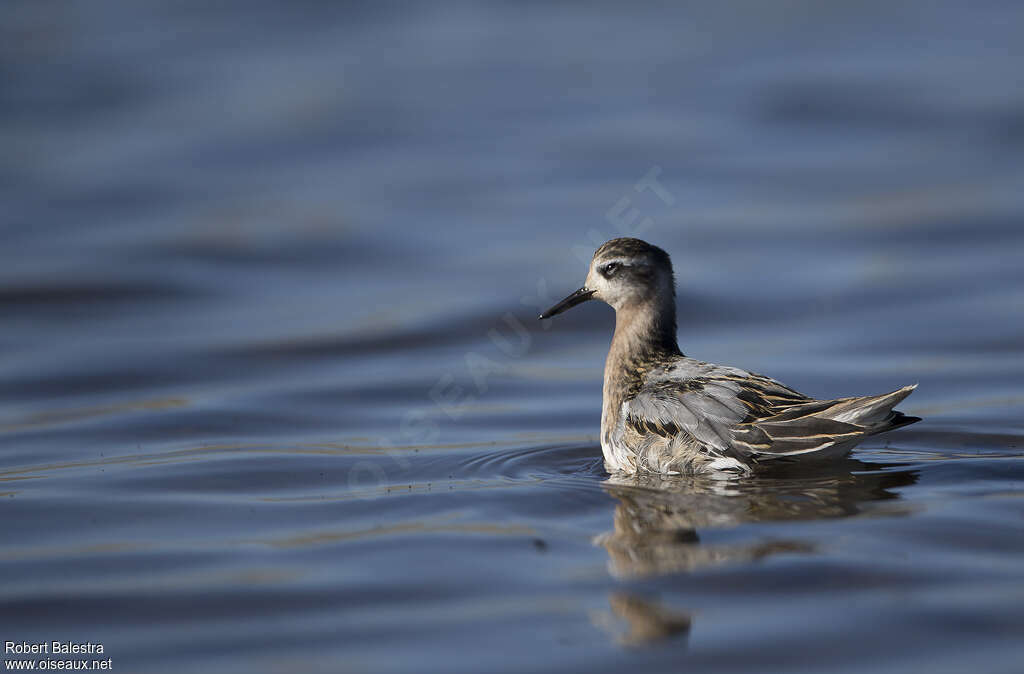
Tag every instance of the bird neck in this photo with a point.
(645, 331)
(645, 337)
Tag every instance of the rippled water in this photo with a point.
(272, 393)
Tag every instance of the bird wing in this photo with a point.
(733, 413)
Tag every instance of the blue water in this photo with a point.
(273, 396)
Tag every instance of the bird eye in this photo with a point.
(609, 269)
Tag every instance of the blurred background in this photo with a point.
(272, 392)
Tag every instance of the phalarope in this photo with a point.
(666, 413)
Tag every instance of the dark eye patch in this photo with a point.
(610, 269)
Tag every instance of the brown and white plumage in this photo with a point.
(666, 413)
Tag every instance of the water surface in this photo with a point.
(272, 392)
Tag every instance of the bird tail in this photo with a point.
(824, 429)
(875, 414)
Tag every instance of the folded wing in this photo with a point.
(731, 413)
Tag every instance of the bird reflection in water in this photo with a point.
(657, 519)
(645, 622)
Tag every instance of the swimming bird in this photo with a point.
(666, 413)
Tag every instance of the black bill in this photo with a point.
(578, 297)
